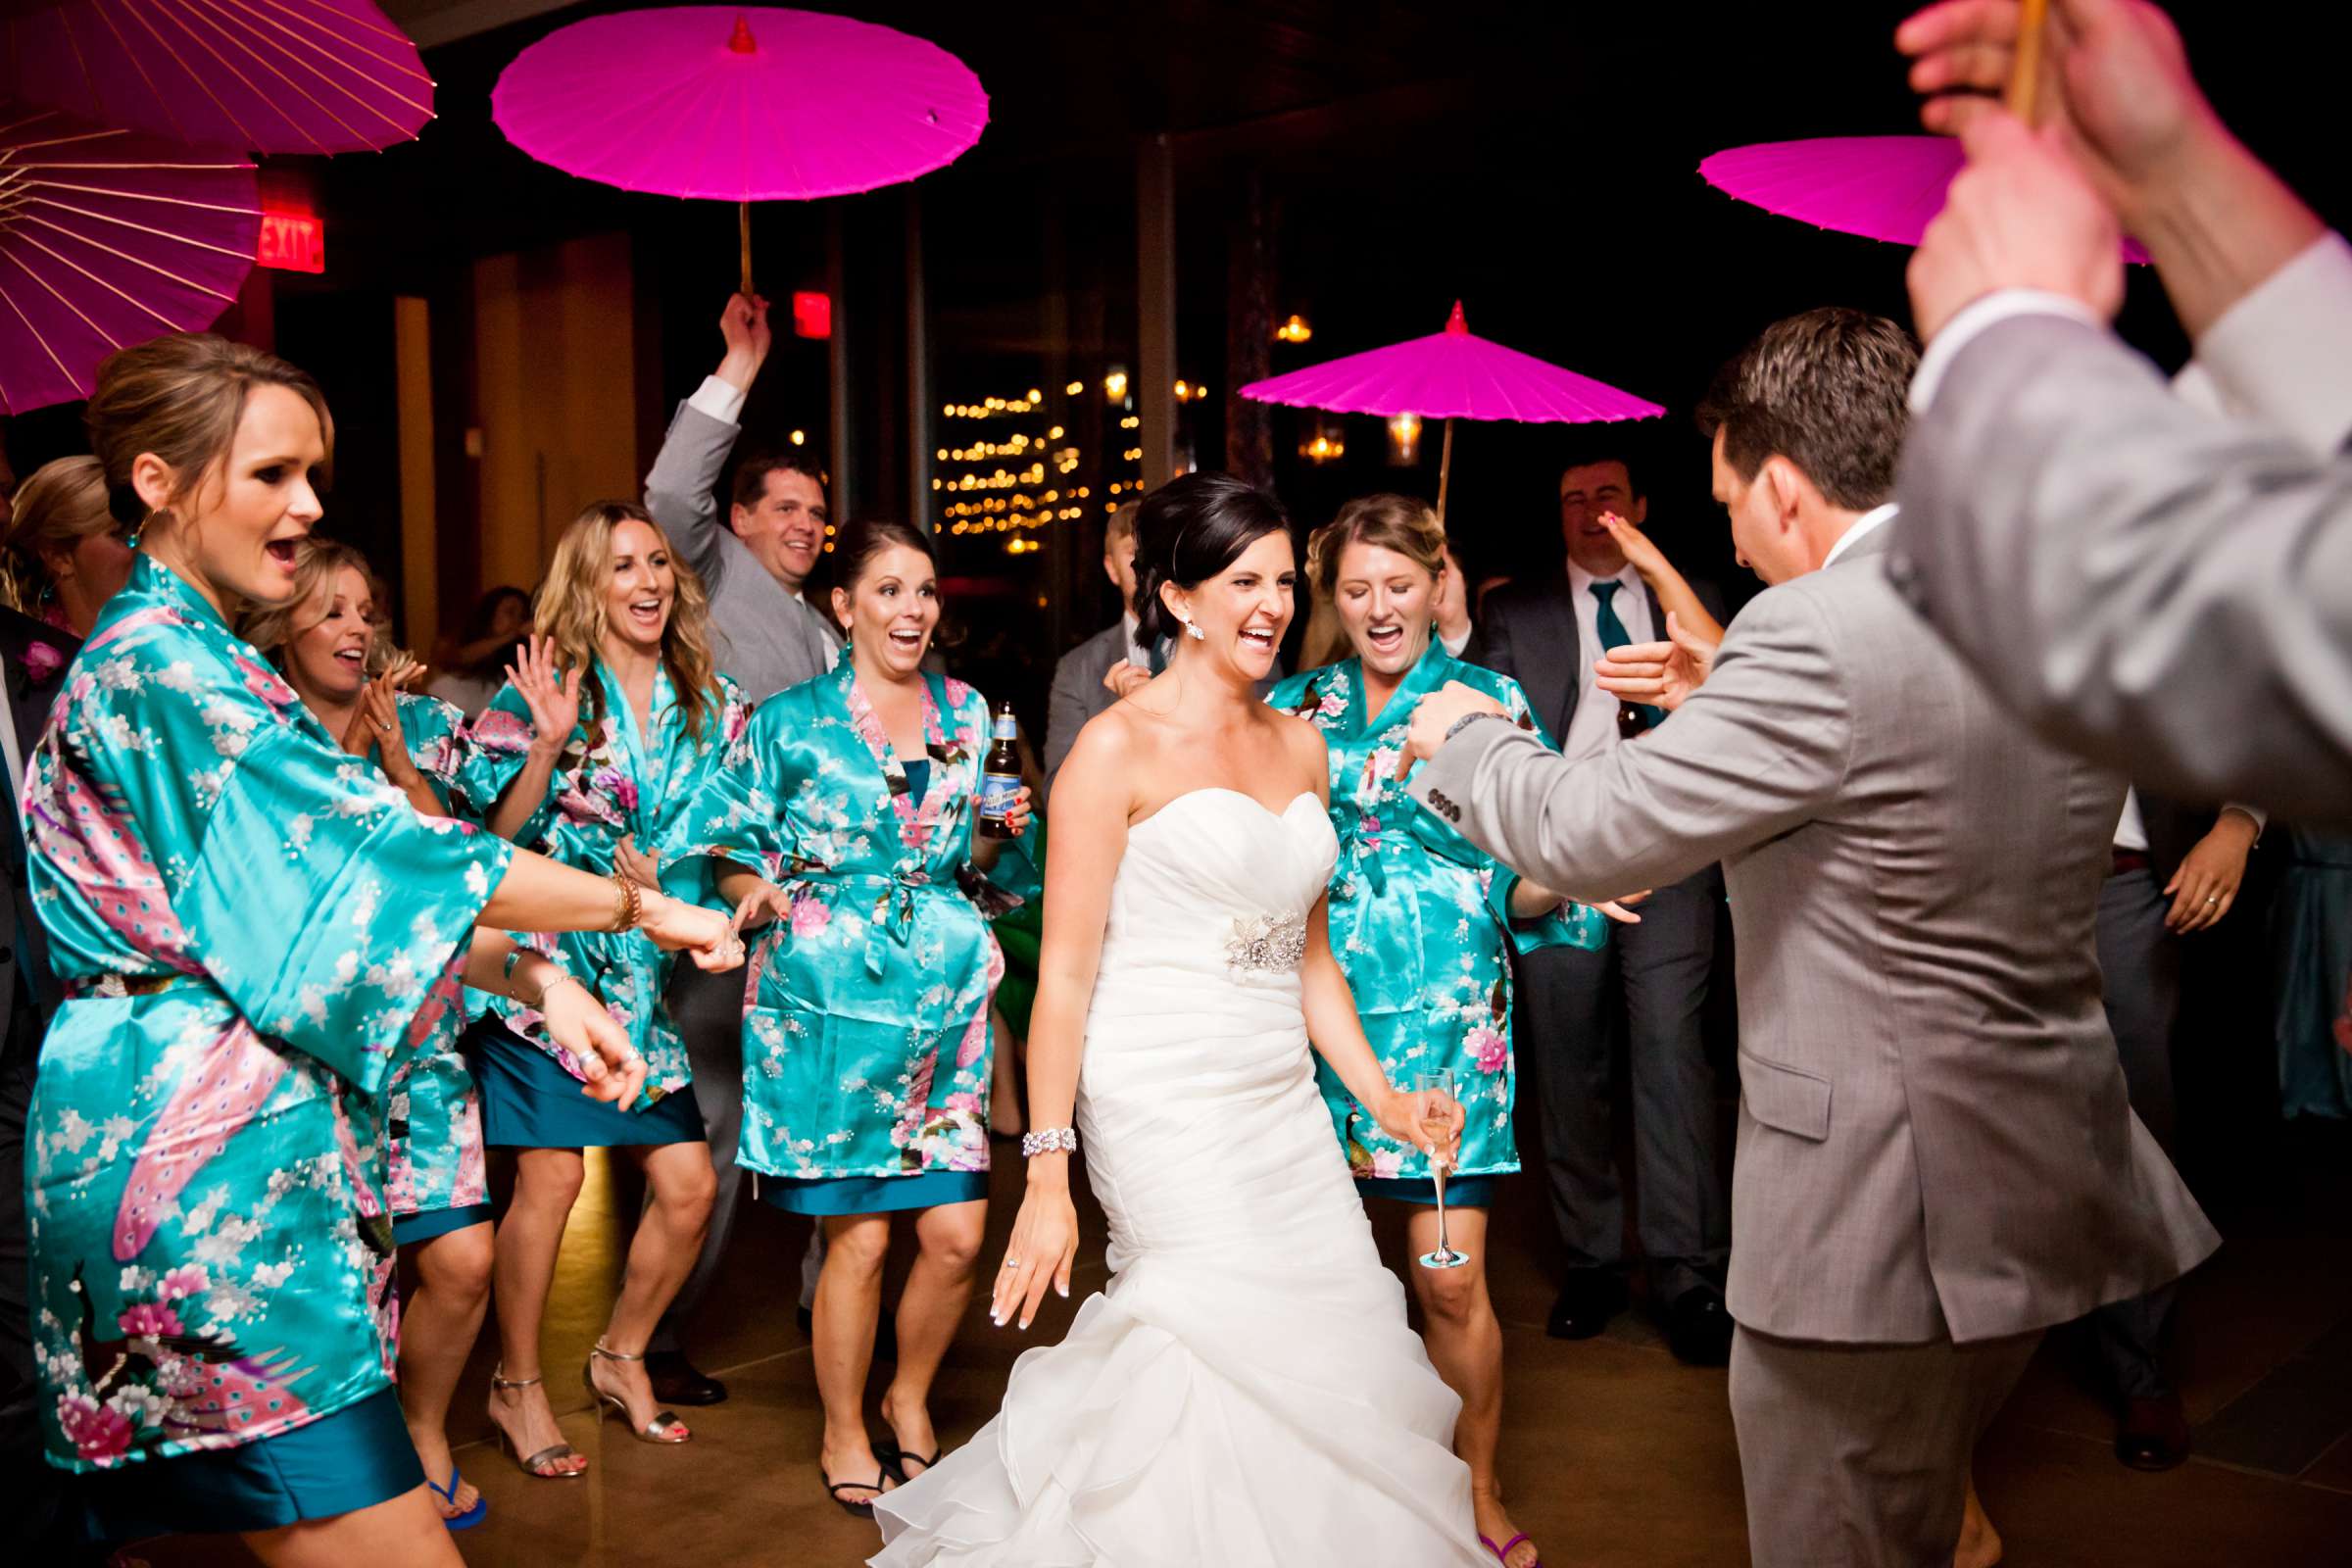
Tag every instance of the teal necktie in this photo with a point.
(1614, 636)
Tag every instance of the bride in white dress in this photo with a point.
(1246, 1391)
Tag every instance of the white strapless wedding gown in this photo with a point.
(1246, 1392)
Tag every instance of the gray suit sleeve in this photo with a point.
(1066, 710)
(1759, 750)
(2165, 592)
(678, 492)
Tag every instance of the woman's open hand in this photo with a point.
(1043, 1247)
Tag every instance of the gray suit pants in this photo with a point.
(1857, 1455)
(707, 1010)
(1654, 976)
(2140, 962)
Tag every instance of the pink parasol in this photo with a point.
(107, 237)
(1881, 187)
(741, 105)
(1448, 375)
(263, 76)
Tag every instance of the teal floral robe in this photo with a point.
(435, 1118)
(248, 923)
(607, 787)
(865, 1038)
(1420, 918)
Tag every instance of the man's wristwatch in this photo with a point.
(1465, 722)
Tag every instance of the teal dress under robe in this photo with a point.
(439, 1181)
(1420, 923)
(865, 1045)
(611, 782)
(247, 923)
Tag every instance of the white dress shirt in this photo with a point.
(1865, 525)
(7, 743)
(1593, 727)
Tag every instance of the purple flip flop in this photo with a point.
(1502, 1554)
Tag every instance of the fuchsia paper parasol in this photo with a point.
(260, 75)
(741, 105)
(1881, 187)
(107, 237)
(1448, 375)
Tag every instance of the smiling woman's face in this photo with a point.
(891, 609)
(328, 651)
(1386, 601)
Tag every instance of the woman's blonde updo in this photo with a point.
(62, 505)
(1395, 523)
(181, 397)
(570, 611)
(1401, 523)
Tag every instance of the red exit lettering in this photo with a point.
(292, 242)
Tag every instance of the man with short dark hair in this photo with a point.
(768, 637)
(1936, 1159)
(1651, 981)
(754, 569)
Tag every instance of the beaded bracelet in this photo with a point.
(1052, 1141)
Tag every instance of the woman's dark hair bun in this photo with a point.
(868, 538)
(1192, 530)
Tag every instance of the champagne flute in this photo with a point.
(1441, 1080)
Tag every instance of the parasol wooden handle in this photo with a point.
(742, 231)
(1444, 468)
(2025, 74)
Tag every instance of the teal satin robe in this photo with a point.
(247, 922)
(605, 788)
(1420, 918)
(435, 1116)
(865, 1043)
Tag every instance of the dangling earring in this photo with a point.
(1191, 629)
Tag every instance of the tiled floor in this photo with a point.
(1615, 1454)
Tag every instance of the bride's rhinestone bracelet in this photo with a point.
(1052, 1141)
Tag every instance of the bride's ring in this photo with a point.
(1013, 1263)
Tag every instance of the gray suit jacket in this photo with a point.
(1933, 1134)
(767, 638)
(1079, 694)
(2167, 592)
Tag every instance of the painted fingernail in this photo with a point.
(1062, 1290)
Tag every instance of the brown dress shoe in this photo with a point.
(2153, 1434)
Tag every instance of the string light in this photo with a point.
(1293, 330)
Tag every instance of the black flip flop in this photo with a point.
(863, 1507)
(894, 1460)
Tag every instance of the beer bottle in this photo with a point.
(1000, 776)
(1631, 723)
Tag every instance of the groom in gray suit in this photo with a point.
(1936, 1160)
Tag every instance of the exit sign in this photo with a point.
(292, 242)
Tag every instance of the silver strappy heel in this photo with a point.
(665, 1428)
(552, 1453)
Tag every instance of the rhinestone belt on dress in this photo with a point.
(1270, 944)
